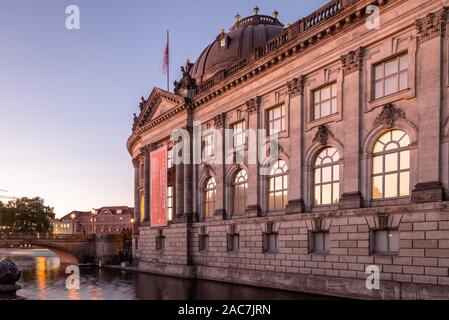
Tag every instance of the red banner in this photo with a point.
(158, 187)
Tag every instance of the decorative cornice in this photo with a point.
(433, 25)
(323, 134)
(296, 86)
(253, 105)
(353, 61)
(389, 115)
(219, 120)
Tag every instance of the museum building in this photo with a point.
(356, 95)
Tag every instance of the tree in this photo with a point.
(27, 215)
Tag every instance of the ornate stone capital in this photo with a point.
(434, 24)
(323, 134)
(389, 115)
(296, 86)
(219, 120)
(253, 105)
(146, 150)
(353, 61)
(136, 163)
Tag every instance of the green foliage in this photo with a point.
(26, 215)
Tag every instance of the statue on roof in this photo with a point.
(142, 103)
(187, 82)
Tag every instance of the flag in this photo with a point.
(166, 57)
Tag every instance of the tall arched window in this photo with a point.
(209, 197)
(327, 177)
(278, 186)
(240, 190)
(391, 165)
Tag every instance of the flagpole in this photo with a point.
(168, 61)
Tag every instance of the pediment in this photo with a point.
(159, 102)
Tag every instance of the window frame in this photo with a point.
(236, 196)
(331, 98)
(271, 194)
(282, 118)
(397, 74)
(326, 240)
(332, 182)
(398, 172)
(388, 252)
(208, 205)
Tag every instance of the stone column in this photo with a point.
(136, 193)
(188, 179)
(219, 166)
(430, 32)
(296, 116)
(352, 63)
(146, 172)
(179, 190)
(253, 208)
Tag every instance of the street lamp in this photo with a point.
(94, 213)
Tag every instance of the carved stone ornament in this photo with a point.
(142, 103)
(219, 120)
(253, 105)
(352, 61)
(389, 115)
(296, 86)
(432, 25)
(322, 135)
(187, 82)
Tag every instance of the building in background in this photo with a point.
(106, 220)
(361, 180)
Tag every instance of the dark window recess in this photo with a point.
(319, 242)
(203, 242)
(386, 241)
(233, 242)
(160, 241)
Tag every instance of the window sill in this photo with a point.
(390, 202)
(323, 120)
(401, 95)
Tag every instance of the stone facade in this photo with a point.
(333, 50)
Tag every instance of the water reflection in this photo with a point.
(44, 278)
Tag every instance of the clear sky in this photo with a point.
(67, 97)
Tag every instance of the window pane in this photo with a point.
(318, 240)
(391, 162)
(317, 96)
(326, 93)
(405, 141)
(405, 160)
(377, 188)
(403, 81)
(334, 106)
(378, 89)
(271, 201)
(327, 174)
(325, 108)
(379, 72)
(317, 195)
(336, 195)
(317, 112)
(391, 185)
(403, 62)
(336, 172)
(391, 67)
(378, 164)
(317, 176)
(379, 147)
(391, 85)
(405, 184)
(334, 90)
(327, 196)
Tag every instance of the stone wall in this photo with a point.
(418, 271)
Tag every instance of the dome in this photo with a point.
(229, 48)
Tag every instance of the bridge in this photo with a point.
(72, 249)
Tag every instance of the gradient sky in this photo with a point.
(67, 97)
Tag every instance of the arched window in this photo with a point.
(391, 165)
(209, 197)
(327, 177)
(278, 186)
(240, 190)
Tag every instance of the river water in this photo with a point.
(44, 278)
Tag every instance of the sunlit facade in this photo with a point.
(358, 118)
